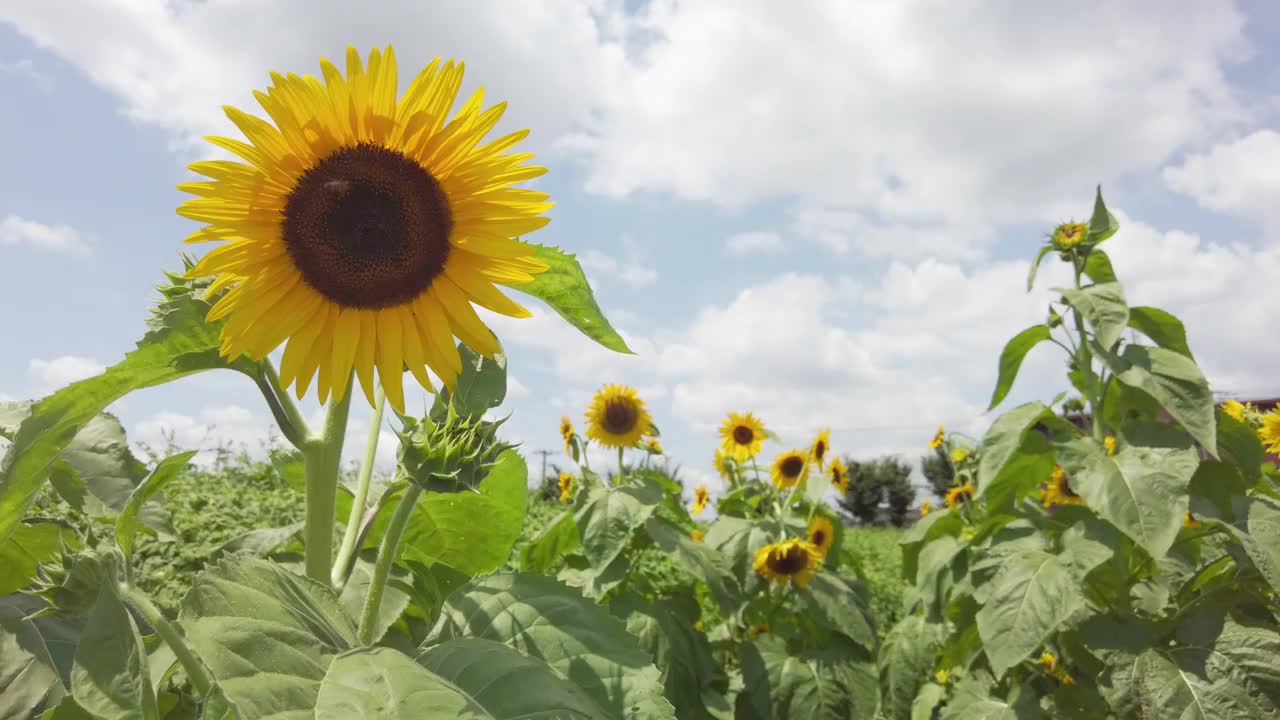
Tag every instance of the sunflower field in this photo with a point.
(1110, 553)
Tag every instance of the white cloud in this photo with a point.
(50, 375)
(842, 229)
(1240, 177)
(515, 388)
(630, 271)
(24, 68)
(229, 427)
(16, 231)
(757, 241)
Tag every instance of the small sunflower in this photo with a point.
(724, 464)
(821, 444)
(938, 437)
(788, 468)
(959, 494)
(1047, 661)
(787, 561)
(653, 446)
(1064, 677)
(1068, 235)
(1109, 443)
(941, 677)
(361, 227)
(925, 508)
(566, 432)
(617, 417)
(566, 487)
(742, 436)
(1058, 490)
(697, 535)
(1270, 431)
(839, 476)
(1190, 521)
(701, 496)
(959, 455)
(1234, 409)
(758, 630)
(821, 534)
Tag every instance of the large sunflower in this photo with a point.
(821, 534)
(742, 436)
(839, 476)
(788, 468)
(821, 445)
(617, 417)
(1058, 491)
(791, 560)
(361, 227)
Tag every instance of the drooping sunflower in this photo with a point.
(821, 534)
(821, 444)
(938, 437)
(566, 487)
(361, 228)
(839, 476)
(566, 432)
(788, 468)
(723, 463)
(701, 496)
(742, 436)
(959, 494)
(1058, 490)
(1269, 432)
(653, 446)
(791, 560)
(1109, 444)
(617, 417)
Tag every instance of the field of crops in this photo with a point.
(1111, 552)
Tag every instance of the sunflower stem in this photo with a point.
(338, 575)
(1086, 360)
(283, 409)
(322, 457)
(171, 635)
(387, 552)
(621, 476)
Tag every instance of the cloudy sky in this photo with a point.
(818, 211)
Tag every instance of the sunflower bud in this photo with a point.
(451, 453)
(1055, 320)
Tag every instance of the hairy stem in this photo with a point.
(171, 635)
(338, 576)
(322, 456)
(387, 552)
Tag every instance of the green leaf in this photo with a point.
(683, 654)
(559, 538)
(700, 559)
(127, 523)
(24, 551)
(1104, 307)
(739, 540)
(480, 387)
(905, 661)
(109, 678)
(1102, 224)
(564, 289)
(1035, 265)
(1011, 360)
(1174, 381)
(468, 531)
(1262, 541)
(179, 344)
(818, 684)
(1002, 443)
(609, 518)
(1213, 488)
(1140, 490)
(834, 605)
(384, 684)
(28, 676)
(266, 634)
(508, 684)
(12, 413)
(542, 618)
(1242, 444)
(260, 542)
(931, 696)
(1098, 267)
(1162, 327)
(1032, 595)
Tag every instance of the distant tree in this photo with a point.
(938, 471)
(879, 490)
(901, 493)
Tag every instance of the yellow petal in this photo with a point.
(391, 356)
(464, 321)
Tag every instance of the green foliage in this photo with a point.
(878, 489)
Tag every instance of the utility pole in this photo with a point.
(544, 453)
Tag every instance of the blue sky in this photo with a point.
(820, 213)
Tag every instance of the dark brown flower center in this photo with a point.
(743, 435)
(790, 561)
(368, 227)
(619, 417)
(819, 538)
(1066, 489)
(819, 449)
(792, 466)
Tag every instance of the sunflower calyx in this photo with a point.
(449, 454)
(71, 585)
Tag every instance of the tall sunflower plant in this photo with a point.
(356, 233)
(760, 587)
(1108, 556)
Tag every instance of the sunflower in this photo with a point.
(788, 468)
(758, 630)
(701, 496)
(959, 494)
(653, 446)
(925, 508)
(1048, 661)
(566, 432)
(724, 464)
(1270, 431)
(1068, 235)
(361, 227)
(821, 444)
(697, 535)
(941, 677)
(566, 487)
(790, 560)
(938, 437)
(959, 455)
(1109, 444)
(1058, 491)
(617, 417)
(1234, 409)
(821, 534)
(742, 436)
(1190, 521)
(839, 476)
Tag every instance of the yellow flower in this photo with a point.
(361, 228)
(701, 496)
(759, 630)
(821, 534)
(938, 437)
(925, 507)
(958, 456)
(787, 468)
(742, 436)
(1109, 442)
(566, 487)
(653, 446)
(566, 432)
(1190, 521)
(1234, 409)
(839, 476)
(1068, 235)
(1047, 661)
(1270, 431)
(821, 444)
(697, 535)
(617, 417)
(1064, 677)
(959, 494)
(698, 625)
(790, 560)
(724, 464)
(942, 676)
(1058, 491)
